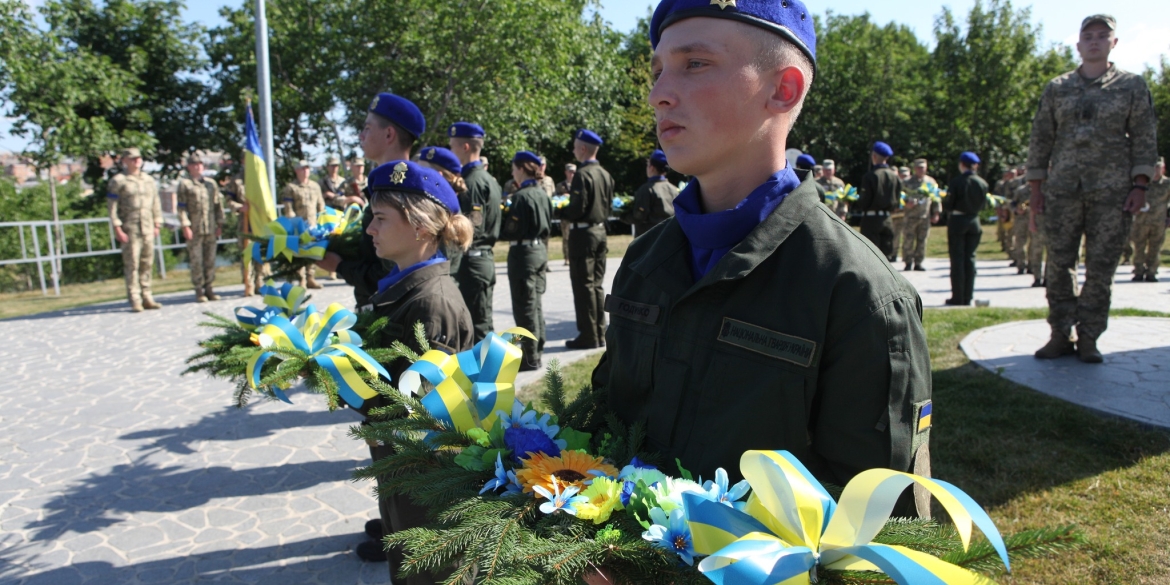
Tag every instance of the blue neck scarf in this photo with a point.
(881, 166)
(713, 235)
(659, 178)
(397, 275)
(527, 183)
(467, 168)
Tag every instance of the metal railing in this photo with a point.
(58, 246)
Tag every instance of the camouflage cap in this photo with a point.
(1162, 160)
(904, 170)
(357, 160)
(301, 164)
(918, 162)
(571, 167)
(333, 160)
(828, 163)
(194, 160)
(1104, 19)
(132, 153)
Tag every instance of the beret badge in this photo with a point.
(399, 174)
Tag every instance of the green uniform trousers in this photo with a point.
(1147, 241)
(587, 252)
(138, 262)
(1019, 236)
(1036, 245)
(963, 235)
(201, 257)
(527, 266)
(879, 230)
(477, 283)
(1100, 219)
(897, 224)
(914, 235)
(398, 514)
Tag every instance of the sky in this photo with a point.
(1143, 26)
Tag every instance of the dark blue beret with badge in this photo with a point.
(805, 161)
(658, 157)
(442, 158)
(465, 130)
(407, 177)
(524, 156)
(788, 18)
(883, 149)
(401, 111)
(589, 137)
(969, 158)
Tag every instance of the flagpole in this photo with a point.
(264, 85)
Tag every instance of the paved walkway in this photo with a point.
(1134, 381)
(116, 469)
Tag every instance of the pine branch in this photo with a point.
(982, 558)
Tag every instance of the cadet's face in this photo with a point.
(829, 172)
(372, 139)
(302, 174)
(1095, 43)
(394, 237)
(1159, 170)
(919, 172)
(708, 100)
(569, 176)
(195, 170)
(132, 164)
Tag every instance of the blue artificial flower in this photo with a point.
(523, 441)
(639, 464)
(560, 501)
(717, 490)
(551, 430)
(627, 492)
(672, 533)
(504, 479)
(519, 417)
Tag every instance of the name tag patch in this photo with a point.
(639, 312)
(767, 342)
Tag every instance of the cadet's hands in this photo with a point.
(1136, 201)
(934, 219)
(121, 235)
(1037, 199)
(329, 262)
(187, 233)
(156, 231)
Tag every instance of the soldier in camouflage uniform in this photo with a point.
(136, 212)
(357, 181)
(333, 184)
(1002, 210)
(1149, 227)
(1037, 244)
(922, 210)
(1094, 148)
(830, 182)
(302, 198)
(898, 217)
(1019, 203)
(563, 189)
(201, 216)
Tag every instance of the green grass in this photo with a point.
(1035, 461)
(989, 249)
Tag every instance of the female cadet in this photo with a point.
(416, 222)
(447, 164)
(526, 227)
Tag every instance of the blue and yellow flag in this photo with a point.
(261, 209)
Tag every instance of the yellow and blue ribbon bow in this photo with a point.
(334, 221)
(286, 299)
(290, 237)
(327, 340)
(470, 386)
(791, 525)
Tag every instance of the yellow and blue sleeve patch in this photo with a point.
(924, 415)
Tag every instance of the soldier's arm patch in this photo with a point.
(924, 416)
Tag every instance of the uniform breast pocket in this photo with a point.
(630, 351)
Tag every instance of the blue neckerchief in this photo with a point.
(591, 161)
(467, 168)
(713, 235)
(659, 178)
(527, 183)
(881, 166)
(397, 275)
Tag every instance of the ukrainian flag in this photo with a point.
(261, 210)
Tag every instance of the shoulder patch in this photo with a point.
(924, 415)
(763, 341)
(639, 312)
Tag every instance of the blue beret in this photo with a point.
(788, 18)
(589, 136)
(442, 158)
(401, 111)
(524, 156)
(883, 149)
(805, 161)
(465, 130)
(408, 177)
(969, 158)
(658, 157)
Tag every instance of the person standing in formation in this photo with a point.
(966, 196)
(922, 211)
(252, 273)
(878, 198)
(1020, 204)
(1149, 227)
(333, 184)
(1003, 209)
(1037, 244)
(563, 189)
(302, 198)
(1090, 160)
(654, 201)
(526, 228)
(590, 201)
(832, 183)
(136, 214)
(356, 185)
(201, 217)
(476, 273)
(806, 162)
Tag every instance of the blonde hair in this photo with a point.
(453, 231)
(457, 183)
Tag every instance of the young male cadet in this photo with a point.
(877, 200)
(393, 124)
(755, 318)
(476, 273)
(590, 201)
(966, 196)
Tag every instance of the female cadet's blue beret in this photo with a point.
(408, 177)
(524, 156)
(883, 149)
(969, 158)
(658, 157)
(805, 161)
(441, 157)
(465, 130)
(401, 111)
(787, 18)
(589, 136)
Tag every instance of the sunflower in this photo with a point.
(571, 468)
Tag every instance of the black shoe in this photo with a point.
(1020, 270)
(919, 268)
(1139, 278)
(580, 343)
(1014, 264)
(1151, 278)
(955, 303)
(1028, 271)
(527, 366)
(1038, 284)
(371, 551)
(908, 268)
(374, 529)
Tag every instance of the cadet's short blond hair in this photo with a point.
(773, 52)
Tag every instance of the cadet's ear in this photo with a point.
(788, 91)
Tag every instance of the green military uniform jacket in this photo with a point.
(801, 338)
(966, 193)
(653, 204)
(481, 204)
(333, 191)
(134, 204)
(881, 190)
(924, 206)
(427, 295)
(1157, 201)
(200, 206)
(590, 195)
(303, 200)
(529, 216)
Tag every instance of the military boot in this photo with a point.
(135, 305)
(248, 290)
(311, 282)
(1059, 345)
(210, 294)
(200, 298)
(148, 303)
(1087, 351)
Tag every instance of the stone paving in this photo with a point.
(116, 469)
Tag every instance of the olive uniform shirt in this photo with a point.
(481, 204)
(303, 200)
(200, 206)
(134, 203)
(925, 205)
(966, 193)
(801, 338)
(653, 204)
(333, 191)
(590, 195)
(881, 190)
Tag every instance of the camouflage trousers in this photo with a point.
(1148, 238)
(138, 264)
(201, 257)
(1099, 218)
(253, 274)
(1018, 240)
(914, 235)
(1037, 242)
(899, 223)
